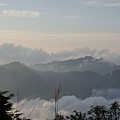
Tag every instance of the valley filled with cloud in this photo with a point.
(42, 109)
(42, 72)
(70, 47)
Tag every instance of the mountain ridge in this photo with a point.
(87, 63)
(42, 84)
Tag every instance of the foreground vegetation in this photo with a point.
(7, 112)
(95, 113)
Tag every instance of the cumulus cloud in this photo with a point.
(102, 53)
(112, 93)
(82, 52)
(74, 53)
(42, 109)
(113, 57)
(106, 54)
(14, 13)
(10, 53)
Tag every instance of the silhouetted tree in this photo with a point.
(98, 113)
(59, 117)
(7, 112)
(114, 111)
(95, 113)
(77, 116)
(5, 106)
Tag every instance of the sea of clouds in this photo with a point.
(37, 109)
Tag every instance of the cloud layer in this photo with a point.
(102, 3)
(3, 4)
(42, 109)
(11, 53)
(112, 93)
(14, 13)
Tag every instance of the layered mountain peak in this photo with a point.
(87, 63)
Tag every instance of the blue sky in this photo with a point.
(51, 20)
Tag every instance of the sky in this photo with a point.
(54, 25)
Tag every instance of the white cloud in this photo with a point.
(72, 17)
(44, 109)
(101, 3)
(13, 13)
(2, 4)
(92, 2)
(10, 52)
(113, 57)
(112, 93)
(113, 5)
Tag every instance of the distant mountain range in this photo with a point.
(32, 83)
(15, 76)
(87, 63)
